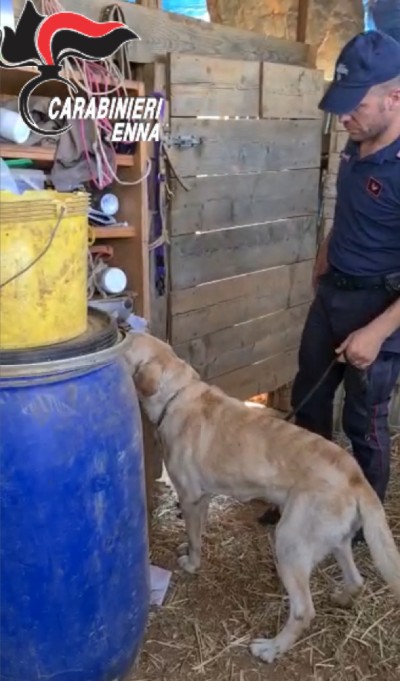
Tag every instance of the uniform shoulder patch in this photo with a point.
(374, 187)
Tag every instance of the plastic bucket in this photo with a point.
(43, 268)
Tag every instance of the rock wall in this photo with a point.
(331, 23)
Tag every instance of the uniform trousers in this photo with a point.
(333, 315)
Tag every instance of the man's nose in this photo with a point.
(345, 118)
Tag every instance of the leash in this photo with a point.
(362, 375)
(312, 391)
(273, 515)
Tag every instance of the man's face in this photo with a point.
(374, 115)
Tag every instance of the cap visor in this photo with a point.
(340, 100)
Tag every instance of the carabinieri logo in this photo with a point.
(45, 41)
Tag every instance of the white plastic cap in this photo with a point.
(114, 280)
(12, 126)
(109, 204)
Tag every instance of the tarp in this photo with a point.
(190, 8)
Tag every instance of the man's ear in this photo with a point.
(395, 98)
(147, 379)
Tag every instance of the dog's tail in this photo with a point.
(379, 538)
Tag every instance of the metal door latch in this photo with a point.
(183, 141)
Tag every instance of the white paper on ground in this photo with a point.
(159, 582)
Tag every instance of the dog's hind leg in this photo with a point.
(195, 516)
(353, 582)
(295, 563)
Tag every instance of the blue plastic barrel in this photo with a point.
(74, 544)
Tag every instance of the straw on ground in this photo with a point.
(203, 629)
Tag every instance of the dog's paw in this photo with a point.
(183, 549)
(185, 563)
(265, 649)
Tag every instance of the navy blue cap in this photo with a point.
(370, 58)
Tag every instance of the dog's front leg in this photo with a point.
(195, 515)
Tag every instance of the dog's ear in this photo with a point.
(147, 379)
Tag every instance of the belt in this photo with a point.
(349, 282)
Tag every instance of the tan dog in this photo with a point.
(214, 444)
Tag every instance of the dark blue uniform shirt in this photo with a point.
(365, 239)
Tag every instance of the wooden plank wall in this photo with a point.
(337, 142)
(243, 237)
(162, 33)
(338, 139)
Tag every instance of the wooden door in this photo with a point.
(243, 234)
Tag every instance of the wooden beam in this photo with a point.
(302, 17)
(245, 146)
(283, 286)
(163, 32)
(222, 254)
(261, 377)
(218, 353)
(291, 92)
(211, 86)
(222, 304)
(242, 199)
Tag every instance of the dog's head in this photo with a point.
(155, 368)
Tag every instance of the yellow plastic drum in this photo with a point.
(43, 268)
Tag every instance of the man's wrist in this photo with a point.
(387, 323)
(380, 328)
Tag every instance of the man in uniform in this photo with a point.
(355, 314)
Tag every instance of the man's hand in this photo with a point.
(361, 347)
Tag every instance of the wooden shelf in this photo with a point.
(114, 232)
(128, 238)
(46, 154)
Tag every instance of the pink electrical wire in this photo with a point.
(102, 178)
(93, 75)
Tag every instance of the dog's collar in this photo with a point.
(167, 404)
